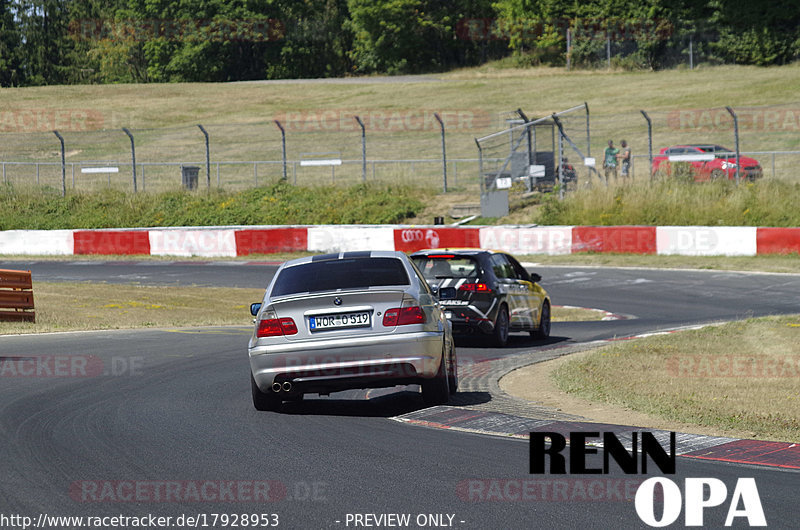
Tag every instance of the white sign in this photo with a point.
(503, 183)
(99, 170)
(691, 158)
(589, 162)
(328, 162)
(536, 171)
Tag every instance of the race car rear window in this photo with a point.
(330, 275)
(447, 267)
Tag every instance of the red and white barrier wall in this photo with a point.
(246, 240)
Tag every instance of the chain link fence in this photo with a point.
(434, 149)
(427, 148)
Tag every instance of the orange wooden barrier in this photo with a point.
(16, 296)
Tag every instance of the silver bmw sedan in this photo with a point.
(350, 320)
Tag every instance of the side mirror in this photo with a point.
(536, 278)
(255, 308)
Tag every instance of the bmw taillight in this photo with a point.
(275, 327)
(475, 288)
(402, 316)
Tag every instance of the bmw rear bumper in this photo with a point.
(340, 364)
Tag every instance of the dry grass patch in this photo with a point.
(576, 314)
(741, 377)
(83, 306)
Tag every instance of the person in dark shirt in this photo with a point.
(624, 157)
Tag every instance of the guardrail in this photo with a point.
(16, 296)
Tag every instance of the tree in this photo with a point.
(10, 42)
(402, 36)
(46, 45)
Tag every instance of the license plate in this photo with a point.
(344, 320)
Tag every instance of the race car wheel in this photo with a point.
(501, 327)
(543, 331)
(452, 375)
(436, 391)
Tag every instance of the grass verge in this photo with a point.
(766, 202)
(740, 378)
(278, 204)
(86, 306)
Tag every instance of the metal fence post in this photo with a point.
(528, 134)
(208, 157)
(363, 149)
(444, 153)
(63, 166)
(480, 164)
(588, 132)
(649, 141)
(283, 147)
(736, 137)
(133, 156)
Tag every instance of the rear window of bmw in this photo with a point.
(330, 275)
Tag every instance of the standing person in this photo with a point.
(610, 160)
(625, 159)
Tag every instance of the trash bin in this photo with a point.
(189, 177)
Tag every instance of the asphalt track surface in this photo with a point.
(161, 406)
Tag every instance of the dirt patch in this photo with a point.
(522, 208)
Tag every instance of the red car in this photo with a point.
(709, 162)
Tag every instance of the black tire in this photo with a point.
(436, 391)
(543, 331)
(501, 325)
(262, 401)
(452, 373)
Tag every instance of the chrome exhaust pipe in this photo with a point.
(276, 387)
(287, 386)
